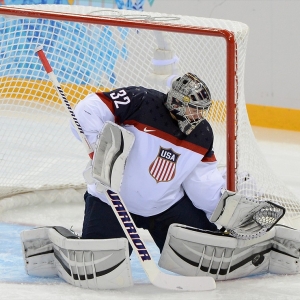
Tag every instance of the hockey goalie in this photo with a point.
(153, 154)
(172, 188)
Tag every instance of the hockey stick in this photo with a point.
(155, 275)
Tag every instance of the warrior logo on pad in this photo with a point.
(163, 168)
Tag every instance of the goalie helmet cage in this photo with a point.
(92, 49)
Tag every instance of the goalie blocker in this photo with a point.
(193, 252)
(112, 149)
(91, 264)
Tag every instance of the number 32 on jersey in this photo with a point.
(120, 98)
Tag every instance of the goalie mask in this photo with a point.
(188, 101)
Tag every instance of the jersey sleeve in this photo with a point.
(203, 137)
(116, 106)
(91, 114)
(203, 186)
(209, 155)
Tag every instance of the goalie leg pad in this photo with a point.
(286, 251)
(87, 263)
(38, 253)
(92, 264)
(193, 252)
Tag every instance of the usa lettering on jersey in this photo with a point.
(163, 168)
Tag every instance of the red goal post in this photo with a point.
(119, 46)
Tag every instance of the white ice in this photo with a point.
(282, 151)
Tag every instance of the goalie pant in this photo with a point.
(91, 264)
(193, 252)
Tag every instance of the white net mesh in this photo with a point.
(38, 151)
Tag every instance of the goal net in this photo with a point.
(92, 49)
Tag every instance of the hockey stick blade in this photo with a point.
(155, 275)
(184, 283)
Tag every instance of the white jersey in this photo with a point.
(163, 162)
